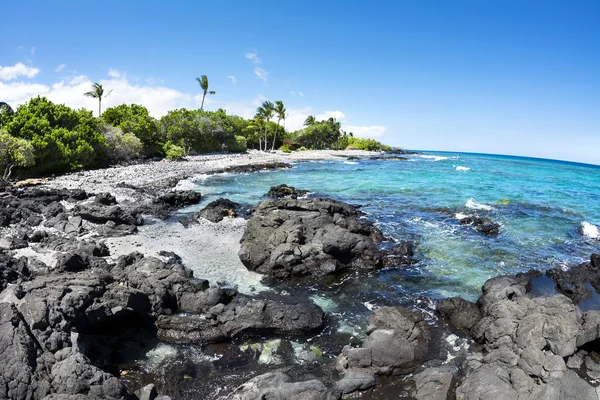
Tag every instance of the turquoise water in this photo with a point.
(540, 204)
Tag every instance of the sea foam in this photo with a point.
(590, 230)
(472, 204)
(461, 168)
(350, 162)
(434, 158)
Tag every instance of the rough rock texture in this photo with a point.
(299, 237)
(172, 200)
(179, 198)
(241, 316)
(279, 386)
(101, 214)
(397, 343)
(285, 191)
(461, 314)
(578, 282)
(216, 210)
(242, 169)
(482, 225)
(433, 384)
(523, 342)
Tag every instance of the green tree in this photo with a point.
(136, 120)
(203, 81)
(280, 111)
(320, 135)
(14, 152)
(97, 92)
(309, 120)
(193, 130)
(63, 139)
(6, 113)
(265, 112)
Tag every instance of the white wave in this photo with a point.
(590, 230)
(472, 204)
(461, 168)
(460, 215)
(191, 183)
(350, 162)
(370, 306)
(434, 158)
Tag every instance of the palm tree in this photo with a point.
(5, 107)
(280, 111)
(97, 92)
(256, 125)
(203, 81)
(265, 111)
(310, 120)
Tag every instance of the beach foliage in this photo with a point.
(63, 139)
(365, 144)
(172, 151)
(122, 147)
(135, 119)
(14, 152)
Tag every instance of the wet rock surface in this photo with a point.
(216, 210)
(482, 225)
(299, 237)
(285, 191)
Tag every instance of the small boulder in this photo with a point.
(217, 210)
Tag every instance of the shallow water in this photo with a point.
(549, 214)
(548, 210)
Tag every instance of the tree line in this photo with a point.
(41, 137)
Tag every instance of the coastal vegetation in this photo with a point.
(42, 137)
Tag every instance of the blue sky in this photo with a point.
(509, 77)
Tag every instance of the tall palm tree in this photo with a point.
(266, 111)
(280, 111)
(203, 81)
(97, 92)
(310, 120)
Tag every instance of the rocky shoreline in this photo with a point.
(77, 314)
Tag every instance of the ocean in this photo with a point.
(549, 213)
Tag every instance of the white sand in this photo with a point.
(208, 249)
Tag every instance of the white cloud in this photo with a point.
(32, 51)
(13, 72)
(300, 94)
(261, 74)
(253, 56)
(338, 115)
(296, 117)
(375, 131)
(258, 100)
(157, 99)
(113, 73)
(233, 79)
(60, 67)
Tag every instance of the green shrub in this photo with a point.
(136, 120)
(14, 152)
(121, 146)
(302, 148)
(366, 144)
(237, 144)
(173, 152)
(63, 139)
(285, 149)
